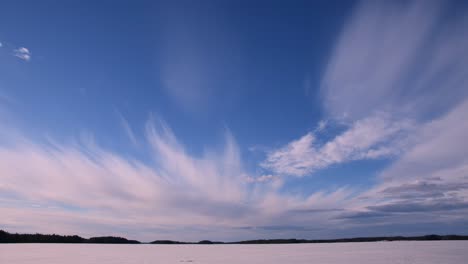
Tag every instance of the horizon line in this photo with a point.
(22, 238)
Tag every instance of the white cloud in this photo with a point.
(400, 57)
(403, 60)
(374, 137)
(108, 189)
(22, 53)
(262, 178)
(128, 129)
(431, 177)
(85, 189)
(293, 159)
(23, 50)
(321, 126)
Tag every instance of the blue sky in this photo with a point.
(233, 120)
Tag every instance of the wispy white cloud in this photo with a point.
(374, 137)
(401, 57)
(380, 65)
(397, 81)
(262, 178)
(23, 53)
(17, 51)
(429, 178)
(83, 188)
(128, 129)
(321, 126)
(406, 59)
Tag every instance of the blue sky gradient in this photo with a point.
(232, 120)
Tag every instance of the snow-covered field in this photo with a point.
(424, 252)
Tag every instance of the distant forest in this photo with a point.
(6, 237)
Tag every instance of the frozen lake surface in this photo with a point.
(414, 252)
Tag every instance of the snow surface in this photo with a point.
(421, 252)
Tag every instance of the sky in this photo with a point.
(231, 120)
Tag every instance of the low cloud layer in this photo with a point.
(431, 177)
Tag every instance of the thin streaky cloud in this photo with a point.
(127, 129)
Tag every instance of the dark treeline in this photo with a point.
(6, 237)
(355, 239)
(341, 240)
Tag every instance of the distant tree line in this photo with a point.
(355, 239)
(6, 237)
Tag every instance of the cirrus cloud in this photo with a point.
(22, 53)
